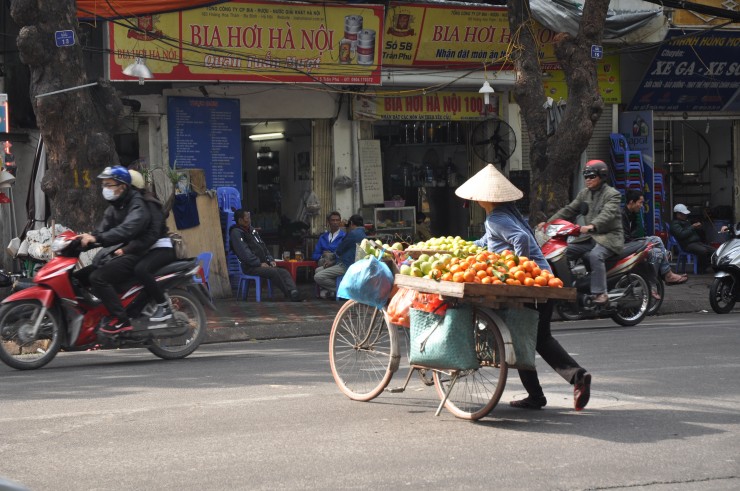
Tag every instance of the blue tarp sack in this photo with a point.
(367, 281)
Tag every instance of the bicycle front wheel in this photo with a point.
(363, 351)
(475, 393)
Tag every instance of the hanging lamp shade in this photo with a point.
(139, 70)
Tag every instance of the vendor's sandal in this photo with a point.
(582, 391)
(529, 403)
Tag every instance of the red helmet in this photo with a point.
(596, 168)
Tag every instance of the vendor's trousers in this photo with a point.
(595, 255)
(552, 352)
(278, 276)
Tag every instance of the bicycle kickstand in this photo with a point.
(396, 390)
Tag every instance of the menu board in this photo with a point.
(204, 133)
(371, 172)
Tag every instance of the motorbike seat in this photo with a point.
(177, 266)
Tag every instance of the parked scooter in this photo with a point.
(725, 288)
(60, 313)
(627, 286)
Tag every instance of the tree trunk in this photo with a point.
(554, 158)
(76, 126)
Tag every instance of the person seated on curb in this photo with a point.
(327, 277)
(688, 237)
(328, 242)
(634, 240)
(602, 236)
(254, 258)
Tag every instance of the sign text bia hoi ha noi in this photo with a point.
(340, 44)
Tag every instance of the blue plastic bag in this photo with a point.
(367, 281)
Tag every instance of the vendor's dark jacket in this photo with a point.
(126, 219)
(248, 247)
(157, 226)
(684, 233)
(603, 214)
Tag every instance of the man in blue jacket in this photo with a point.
(329, 240)
(327, 277)
(254, 257)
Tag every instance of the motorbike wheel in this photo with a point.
(568, 311)
(637, 299)
(723, 294)
(18, 348)
(187, 306)
(654, 304)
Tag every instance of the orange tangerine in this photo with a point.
(447, 276)
(555, 283)
(540, 281)
(536, 271)
(458, 277)
(497, 282)
(519, 275)
(487, 280)
(528, 282)
(481, 274)
(455, 268)
(510, 263)
(469, 276)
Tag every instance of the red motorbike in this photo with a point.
(626, 278)
(59, 312)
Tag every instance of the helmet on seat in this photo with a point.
(117, 173)
(137, 180)
(596, 168)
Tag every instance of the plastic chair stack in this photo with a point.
(658, 199)
(682, 258)
(228, 199)
(627, 164)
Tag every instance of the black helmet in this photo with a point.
(117, 173)
(596, 168)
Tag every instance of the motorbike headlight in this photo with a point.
(59, 244)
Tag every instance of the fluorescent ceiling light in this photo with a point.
(267, 136)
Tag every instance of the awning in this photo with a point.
(114, 9)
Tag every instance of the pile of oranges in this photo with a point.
(490, 268)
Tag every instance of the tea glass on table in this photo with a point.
(299, 255)
(286, 255)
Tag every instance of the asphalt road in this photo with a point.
(267, 415)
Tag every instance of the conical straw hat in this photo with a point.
(489, 185)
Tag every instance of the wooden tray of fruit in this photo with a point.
(491, 295)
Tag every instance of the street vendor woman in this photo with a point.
(506, 228)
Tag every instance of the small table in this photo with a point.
(292, 266)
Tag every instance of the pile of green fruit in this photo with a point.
(457, 246)
(426, 263)
(378, 249)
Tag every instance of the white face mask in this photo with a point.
(109, 194)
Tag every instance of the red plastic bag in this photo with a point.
(430, 302)
(398, 309)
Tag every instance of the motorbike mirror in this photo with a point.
(584, 209)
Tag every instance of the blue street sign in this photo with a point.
(64, 38)
(597, 51)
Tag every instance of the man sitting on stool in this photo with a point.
(327, 277)
(688, 237)
(254, 258)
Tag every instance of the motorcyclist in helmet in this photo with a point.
(602, 236)
(125, 220)
(154, 246)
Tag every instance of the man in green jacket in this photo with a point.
(602, 236)
(687, 235)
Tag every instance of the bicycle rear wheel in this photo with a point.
(363, 351)
(476, 392)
